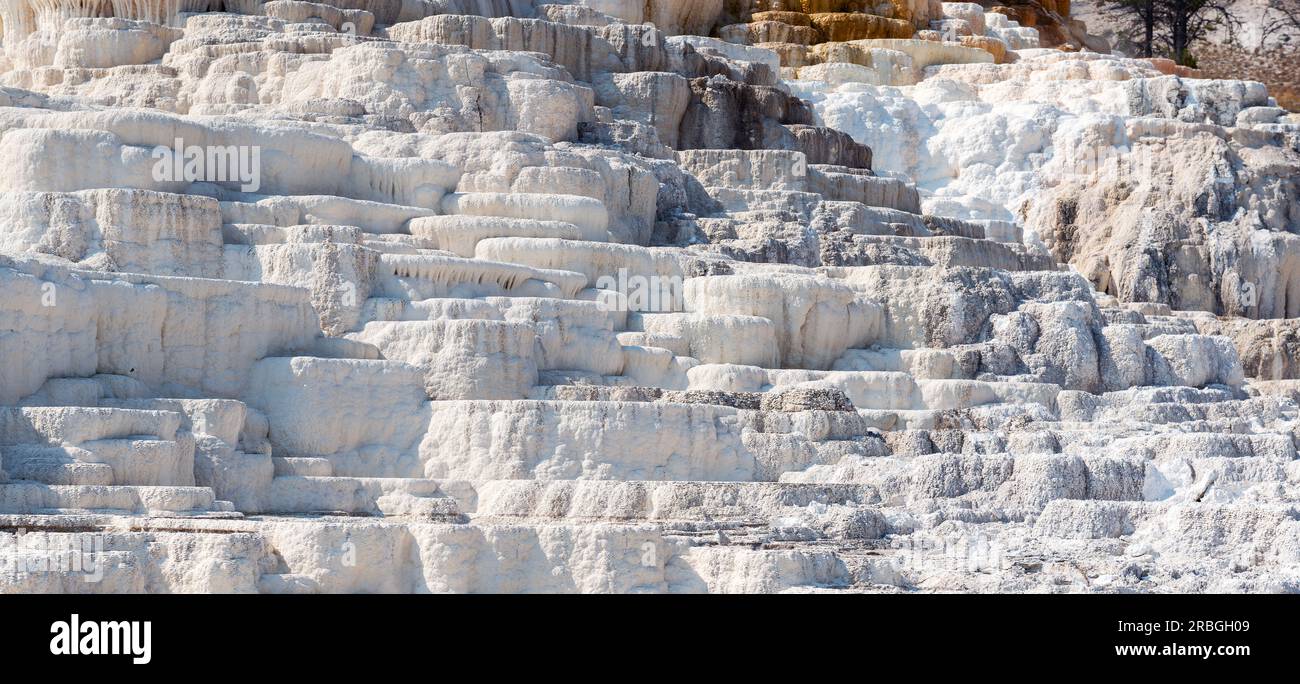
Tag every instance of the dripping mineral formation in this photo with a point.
(926, 297)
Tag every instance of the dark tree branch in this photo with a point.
(1171, 27)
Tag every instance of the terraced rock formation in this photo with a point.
(499, 296)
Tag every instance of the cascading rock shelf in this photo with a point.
(452, 296)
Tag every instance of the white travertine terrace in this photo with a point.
(507, 296)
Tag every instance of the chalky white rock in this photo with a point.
(944, 307)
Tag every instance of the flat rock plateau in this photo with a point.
(652, 296)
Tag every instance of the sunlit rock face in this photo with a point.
(812, 295)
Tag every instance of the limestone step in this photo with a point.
(618, 263)
(413, 497)
(1268, 453)
(144, 461)
(922, 363)
(648, 366)
(56, 470)
(30, 498)
(940, 250)
(674, 343)
(287, 583)
(383, 405)
(389, 243)
(460, 234)
(713, 338)
(879, 390)
(728, 569)
(302, 465)
(1231, 412)
(925, 53)
(847, 26)
(565, 440)
(425, 275)
(77, 424)
(651, 501)
(737, 199)
(748, 169)
(770, 32)
(874, 191)
(860, 219)
(588, 214)
(528, 557)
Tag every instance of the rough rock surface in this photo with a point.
(445, 296)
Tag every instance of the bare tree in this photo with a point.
(1190, 21)
(1281, 20)
(1138, 17)
(1169, 28)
